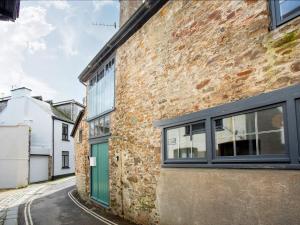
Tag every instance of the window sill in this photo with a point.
(66, 167)
(65, 140)
(235, 166)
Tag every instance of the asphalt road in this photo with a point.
(57, 209)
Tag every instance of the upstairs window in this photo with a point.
(283, 11)
(101, 90)
(100, 127)
(65, 132)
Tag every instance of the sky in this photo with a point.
(51, 43)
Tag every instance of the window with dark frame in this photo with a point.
(283, 11)
(100, 126)
(257, 131)
(65, 132)
(186, 142)
(65, 159)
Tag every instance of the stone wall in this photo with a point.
(190, 56)
(127, 8)
(82, 168)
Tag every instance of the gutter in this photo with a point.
(134, 23)
(52, 147)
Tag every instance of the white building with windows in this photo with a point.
(51, 149)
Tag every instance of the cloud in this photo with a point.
(100, 4)
(58, 4)
(68, 41)
(17, 39)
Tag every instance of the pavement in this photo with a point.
(10, 200)
(52, 203)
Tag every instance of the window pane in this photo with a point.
(245, 139)
(246, 145)
(288, 7)
(101, 125)
(271, 143)
(106, 124)
(224, 137)
(257, 133)
(179, 143)
(270, 119)
(198, 140)
(101, 91)
(92, 129)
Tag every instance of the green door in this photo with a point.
(100, 176)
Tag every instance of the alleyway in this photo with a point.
(47, 203)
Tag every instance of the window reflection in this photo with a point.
(100, 126)
(187, 141)
(255, 133)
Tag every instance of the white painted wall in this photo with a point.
(14, 156)
(23, 109)
(59, 146)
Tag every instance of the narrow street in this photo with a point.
(49, 203)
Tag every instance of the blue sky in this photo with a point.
(51, 43)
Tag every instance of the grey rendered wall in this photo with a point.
(228, 197)
(14, 147)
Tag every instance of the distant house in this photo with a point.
(9, 9)
(51, 150)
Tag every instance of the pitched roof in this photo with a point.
(52, 111)
(77, 122)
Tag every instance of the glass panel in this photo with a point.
(257, 133)
(97, 128)
(198, 140)
(92, 129)
(179, 143)
(270, 119)
(106, 125)
(288, 7)
(101, 91)
(271, 143)
(101, 125)
(224, 138)
(246, 145)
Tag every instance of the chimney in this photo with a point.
(127, 8)
(20, 92)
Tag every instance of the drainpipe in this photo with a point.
(52, 148)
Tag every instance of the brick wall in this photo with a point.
(190, 56)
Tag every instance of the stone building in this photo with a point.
(193, 114)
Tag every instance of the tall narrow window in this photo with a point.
(65, 132)
(65, 159)
(101, 90)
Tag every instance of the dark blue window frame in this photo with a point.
(288, 98)
(276, 19)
